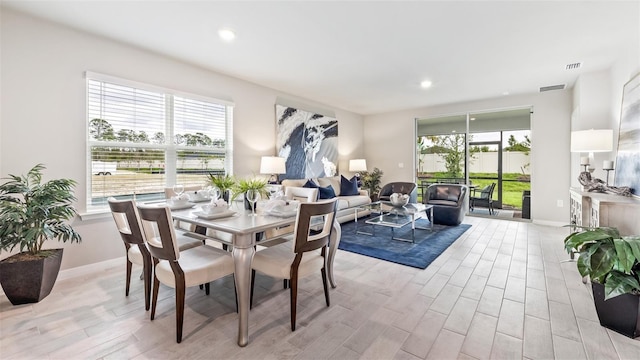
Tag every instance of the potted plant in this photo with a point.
(613, 264)
(243, 185)
(371, 182)
(224, 183)
(32, 212)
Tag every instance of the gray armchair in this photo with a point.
(449, 203)
(399, 187)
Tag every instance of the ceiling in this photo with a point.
(370, 57)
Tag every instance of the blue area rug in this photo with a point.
(428, 244)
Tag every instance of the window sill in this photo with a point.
(96, 215)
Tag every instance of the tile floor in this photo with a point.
(501, 291)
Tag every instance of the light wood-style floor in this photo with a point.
(500, 291)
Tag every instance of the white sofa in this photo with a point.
(346, 204)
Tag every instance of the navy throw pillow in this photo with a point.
(348, 187)
(323, 192)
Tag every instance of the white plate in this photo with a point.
(286, 213)
(199, 198)
(219, 215)
(181, 206)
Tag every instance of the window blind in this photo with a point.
(143, 140)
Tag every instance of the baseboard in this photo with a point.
(91, 268)
(549, 223)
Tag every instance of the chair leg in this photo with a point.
(154, 300)
(324, 283)
(207, 288)
(180, 289)
(146, 271)
(293, 291)
(126, 291)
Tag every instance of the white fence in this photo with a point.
(483, 162)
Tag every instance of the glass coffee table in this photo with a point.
(394, 217)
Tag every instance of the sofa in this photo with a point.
(346, 203)
(450, 202)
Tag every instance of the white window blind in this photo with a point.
(141, 140)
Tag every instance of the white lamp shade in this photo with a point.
(272, 165)
(592, 140)
(356, 165)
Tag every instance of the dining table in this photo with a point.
(244, 228)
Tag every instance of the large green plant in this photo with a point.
(607, 258)
(371, 181)
(32, 212)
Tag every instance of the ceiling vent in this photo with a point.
(573, 66)
(552, 87)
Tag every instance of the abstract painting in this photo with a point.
(308, 142)
(628, 157)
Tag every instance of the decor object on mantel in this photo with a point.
(32, 212)
(612, 262)
(597, 185)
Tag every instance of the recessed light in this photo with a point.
(226, 35)
(505, 93)
(425, 84)
(472, 119)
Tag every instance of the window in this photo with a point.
(142, 139)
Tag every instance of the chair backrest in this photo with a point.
(450, 192)
(307, 239)
(301, 194)
(127, 221)
(157, 227)
(487, 192)
(408, 188)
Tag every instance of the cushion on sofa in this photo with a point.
(323, 192)
(333, 181)
(348, 187)
(293, 183)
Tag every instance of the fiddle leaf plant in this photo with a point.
(607, 258)
(32, 212)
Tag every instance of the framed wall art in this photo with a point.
(627, 168)
(308, 141)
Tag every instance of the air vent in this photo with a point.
(552, 87)
(573, 66)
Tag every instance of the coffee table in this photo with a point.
(394, 217)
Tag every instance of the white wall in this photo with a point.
(550, 133)
(43, 111)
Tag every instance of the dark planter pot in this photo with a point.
(26, 282)
(620, 314)
(225, 195)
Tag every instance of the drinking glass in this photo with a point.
(214, 193)
(178, 189)
(252, 196)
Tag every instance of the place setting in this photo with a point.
(216, 208)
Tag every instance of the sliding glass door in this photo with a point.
(477, 149)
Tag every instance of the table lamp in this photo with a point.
(272, 165)
(591, 141)
(357, 165)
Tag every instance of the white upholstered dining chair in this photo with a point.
(179, 269)
(305, 255)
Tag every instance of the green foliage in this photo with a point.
(242, 185)
(451, 148)
(371, 180)
(607, 258)
(222, 182)
(32, 212)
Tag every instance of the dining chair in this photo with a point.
(128, 223)
(179, 269)
(300, 258)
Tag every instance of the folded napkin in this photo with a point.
(219, 203)
(180, 199)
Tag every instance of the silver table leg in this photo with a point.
(243, 252)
